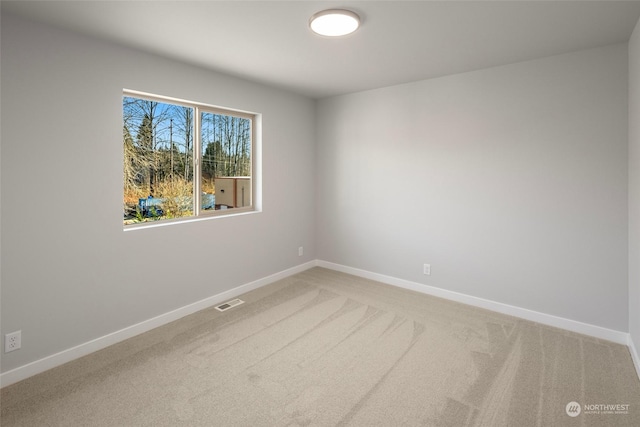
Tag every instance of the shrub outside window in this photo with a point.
(174, 150)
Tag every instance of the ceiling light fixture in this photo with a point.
(334, 22)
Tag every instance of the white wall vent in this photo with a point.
(229, 304)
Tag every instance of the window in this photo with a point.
(185, 160)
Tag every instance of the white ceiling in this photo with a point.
(399, 41)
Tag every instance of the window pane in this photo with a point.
(158, 160)
(226, 161)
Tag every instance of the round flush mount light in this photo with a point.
(334, 22)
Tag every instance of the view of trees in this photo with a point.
(226, 145)
(158, 146)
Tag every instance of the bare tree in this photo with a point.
(144, 118)
(183, 117)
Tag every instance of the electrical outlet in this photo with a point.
(12, 341)
(300, 251)
(427, 269)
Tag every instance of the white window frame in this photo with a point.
(199, 108)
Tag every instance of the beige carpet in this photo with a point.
(327, 349)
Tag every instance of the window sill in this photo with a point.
(203, 217)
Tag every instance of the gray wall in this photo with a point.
(634, 187)
(511, 182)
(69, 272)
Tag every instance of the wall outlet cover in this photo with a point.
(12, 341)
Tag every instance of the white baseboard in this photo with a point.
(634, 355)
(46, 363)
(523, 313)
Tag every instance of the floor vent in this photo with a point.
(229, 304)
